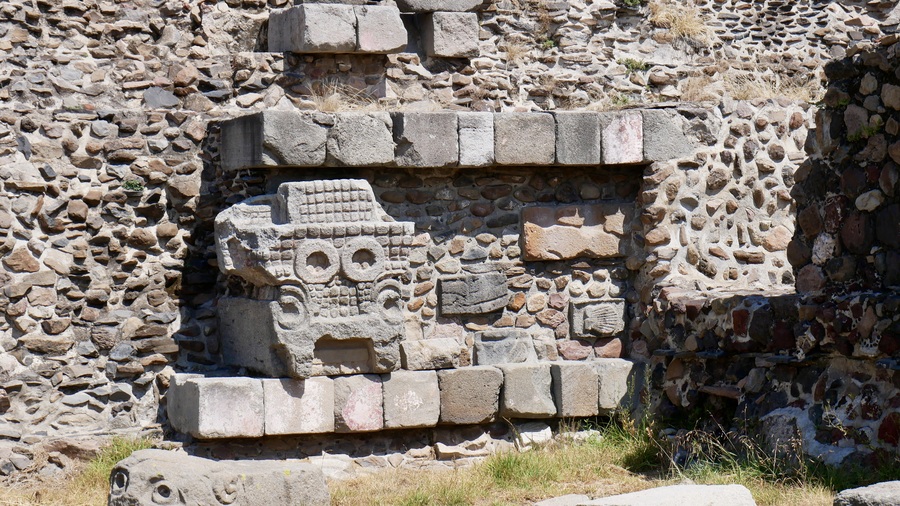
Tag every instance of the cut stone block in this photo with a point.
(664, 137)
(524, 138)
(313, 28)
(426, 139)
(473, 294)
(438, 5)
(469, 395)
(358, 402)
(504, 346)
(411, 399)
(476, 139)
(623, 137)
(360, 139)
(240, 317)
(578, 138)
(614, 374)
(526, 391)
(212, 408)
(379, 29)
(425, 354)
(274, 138)
(299, 406)
(567, 232)
(879, 494)
(593, 318)
(680, 495)
(575, 388)
(450, 34)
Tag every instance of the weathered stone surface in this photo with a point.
(578, 138)
(426, 139)
(313, 28)
(358, 403)
(438, 5)
(411, 399)
(438, 353)
(614, 374)
(476, 139)
(450, 34)
(167, 477)
(273, 138)
(623, 137)
(886, 493)
(361, 139)
(591, 318)
(473, 294)
(469, 395)
(524, 138)
(567, 232)
(20, 260)
(213, 408)
(299, 406)
(527, 391)
(663, 136)
(504, 346)
(575, 388)
(679, 495)
(379, 29)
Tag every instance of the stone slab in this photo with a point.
(578, 138)
(426, 354)
(614, 381)
(360, 139)
(527, 391)
(623, 137)
(299, 406)
(576, 388)
(274, 138)
(426, 139)
(438, 5)
(313, 28)
(663, 136)
(504, 346)
(469, 395)
(524, 138)
(450, 34)
(411, 399)
(358, 403)
(886, 493)
(597, 318)
(568, 232)
(681, 495)
(214, 408)
(476, 139)
(240, 317)
(473, 294)
(379, 29)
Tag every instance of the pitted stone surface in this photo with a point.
(524, 138)
(358, 403)
(360, 139)
(615, 378)
(469, 395)
(450, 34)
(299, 406)
(504, 346)
(438, 353)
(274, 138)
(880, 494)
(426, 139)
(578, 138)
(379, 29)
(476, 139)
(473, 294)
(411, 399)
(585, 231)
(313, 28)
(195, 407)
(679, 495)
(575, 388)
(663, 136)
(527, 391)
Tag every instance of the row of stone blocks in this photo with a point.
(211, 408)
(451, 139)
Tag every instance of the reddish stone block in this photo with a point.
(889, 430)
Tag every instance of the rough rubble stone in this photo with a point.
(411, 399)
(568, 232)
(379, 29)
(273, 138)
(615, 380)
(438, 5)
(361, 139)
(437, 353)
(575, 388)
(679, 495)
(299, 406)
(473, 294)
(623, 137)
(578, 138)
(426, 139)
(158, 98)
(469, 395)
(527, 391)
(504, 346)
(886, 493)
(358, 403)
(476, 139)
(663, 136)
(313, 28)
(450, 34)
(524, 138)
(167, 477)
(213, 408)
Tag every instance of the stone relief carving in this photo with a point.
(598, 318)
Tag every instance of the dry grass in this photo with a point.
(516, 53)
(700, 88)
(331, 96)
(683, 21)
(750, 86)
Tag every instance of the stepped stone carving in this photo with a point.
(328, 262)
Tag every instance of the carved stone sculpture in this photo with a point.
(326, 263)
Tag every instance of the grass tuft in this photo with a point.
(682, 21)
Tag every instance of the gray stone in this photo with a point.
(664, 137)
(438, 5)
(299, 406)
(886, 493)
(680, 495)
(524, 138)
(213, 408)
(614, 381)
(426, 139)
(469, 395)
(473, 294)
(166, 477)
(273, 138)
(411, 399)
(450, 34)
(623, 137)
(361, 139)
(578, 138)
(358, 403)
(476, 139)
(313, 28)
(575, 388)
(527, 391)
(564, 500)
(504, 346)
(597, 318)
(379, 29)
(158, 98)
(425, 354)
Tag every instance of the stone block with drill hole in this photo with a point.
(450, 34)
(359, 139)
(597, 318)
(476, 139)
(578, 138)
(274, 138)
(527, 391)
(438, 5)
(379, 29)
(473, 294)
(213, 408)
(524, 138)
(568, 232)
(469, 395)
(358, 403)
(299, 406)
(575, 388)
(623, 137)
(664, 137)
(411, 399)
(614, 379)
(504, 346)
(426, 354)
(426, 139)
(313, 28)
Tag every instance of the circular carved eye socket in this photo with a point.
(119, 481)
(163, 494)
(362, 259)
(316, 261)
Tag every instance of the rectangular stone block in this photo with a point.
(585, 231)
(597, 318)
(469, 395)
(299, 406)
(527, 391)
(240, 317)
(358, 403)
(473, 294)
(379, 29)
(313, 28)
(438, 5)
(578, 138)
(504, 346)
(274, 138)
(476, 139)
(623, 137)
(426, 139)
(614, 375)
(575, 388)
(524, 138)
(214, 408)
(450, 34)
(664, 137)
(426, 354)
(411, 399)
(360, 139)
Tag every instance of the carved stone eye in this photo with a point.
(163, 494)
(362, 259)
(316, 261)
(119, 482)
